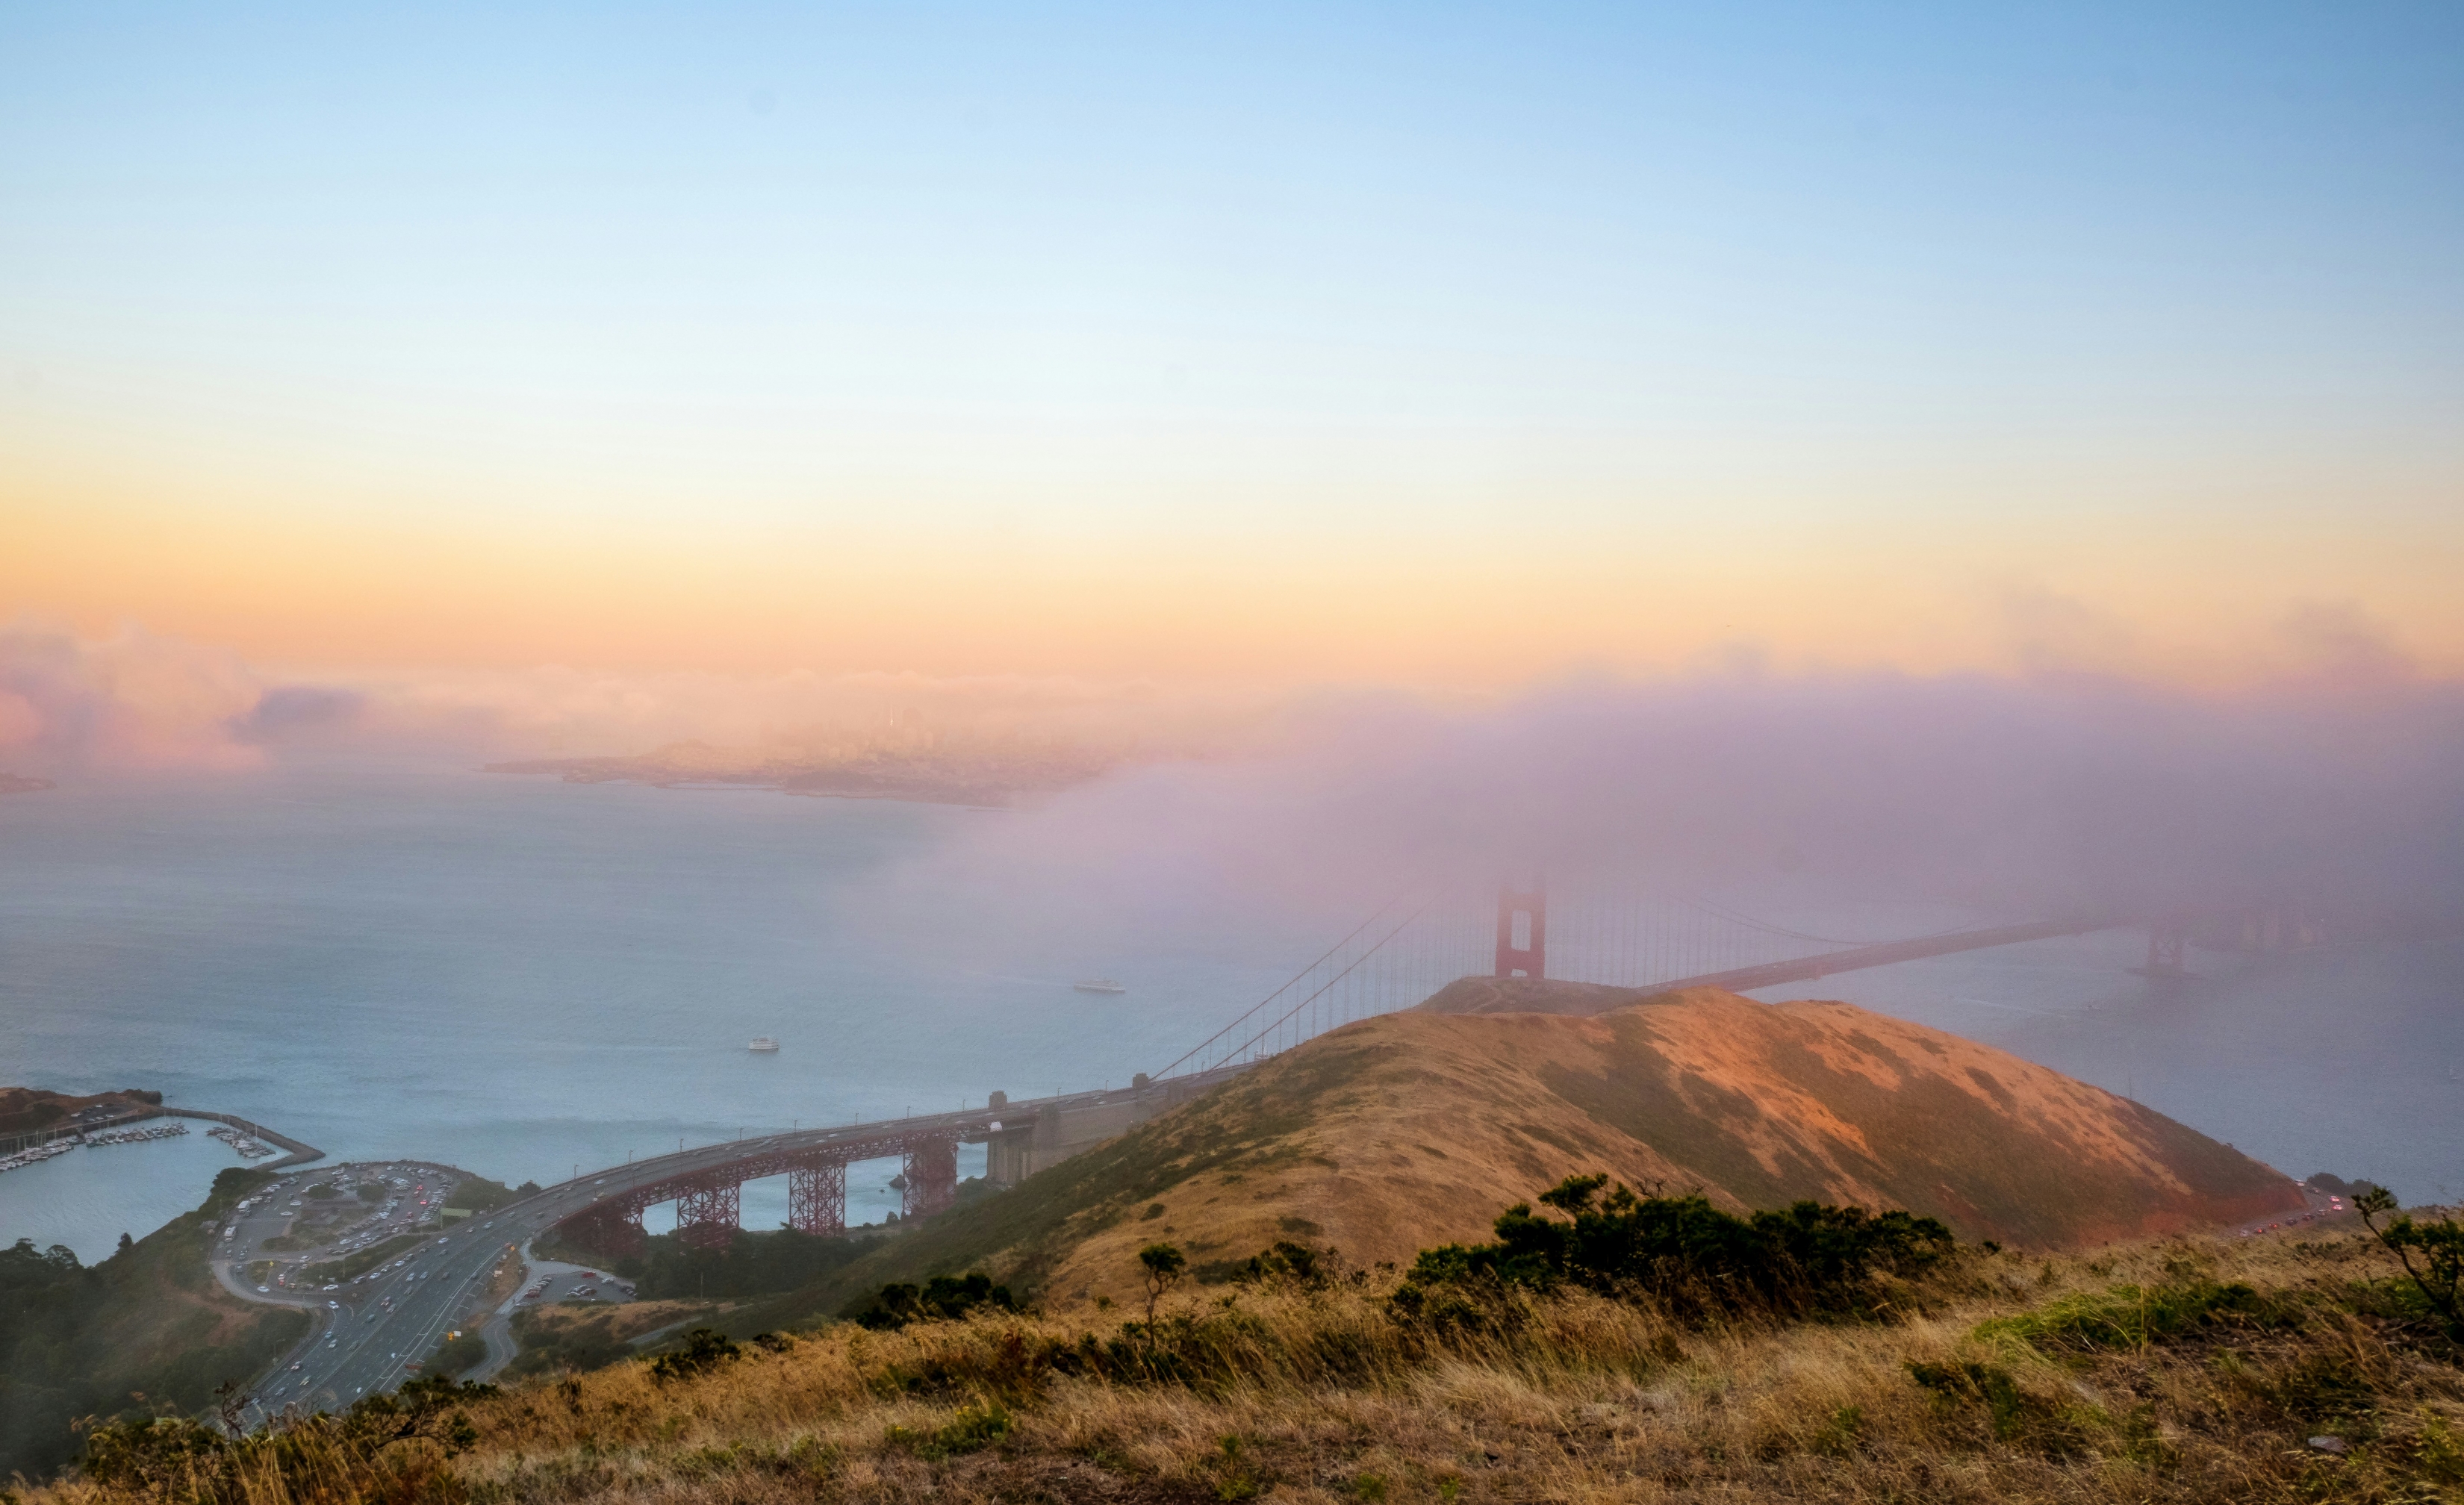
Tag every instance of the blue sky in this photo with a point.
(1177, 275)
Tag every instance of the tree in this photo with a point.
(2440, 1246)
(1162, 1266)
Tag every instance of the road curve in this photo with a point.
(374, 1335)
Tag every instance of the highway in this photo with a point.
(371, 1334)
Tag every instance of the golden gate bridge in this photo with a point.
(1421, 938)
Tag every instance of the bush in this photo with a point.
(941, 1298)
(973, 1427)
(2011, 1414)
(552, 1344)
(705, 1349)
(1298, 1264)
(172, 1460)
(1686, 1252)
(2431, 1254)
(2133, 1317)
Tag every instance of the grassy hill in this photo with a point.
(2184, 1367)
(1410, 1130)
(145, 1330)
(2187, 1371)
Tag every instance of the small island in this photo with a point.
(21, 784)
(929, 769)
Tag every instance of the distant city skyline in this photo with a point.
(1429, 347)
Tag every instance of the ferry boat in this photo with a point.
(763, 1046)
(1098, 985)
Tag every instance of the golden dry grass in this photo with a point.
(1321, 1396)
(1412, 1129)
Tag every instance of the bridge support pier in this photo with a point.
(932, 1176)
(817, 1198)
(707, 1214)
(611, 1230)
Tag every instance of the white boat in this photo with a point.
(763, 1046)
(1098, 985)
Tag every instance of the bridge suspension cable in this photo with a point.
(1295, 980)
(1609, 933)
(1293, 1012)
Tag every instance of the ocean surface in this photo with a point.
(523, 977)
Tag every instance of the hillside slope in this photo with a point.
(1399, 1132)
(145, 1329)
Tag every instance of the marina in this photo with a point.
(139, 1136)
(249, 1148)
(36, 1154)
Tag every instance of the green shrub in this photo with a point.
(941, 1298)
(974, 1426)
(2432, 1253)
(1298, 1264)
(705, 1349)
(1688, 1252)
(2134, 1317)
(182, 1462)
(2011, 1415)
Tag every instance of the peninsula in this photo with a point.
(925, 767)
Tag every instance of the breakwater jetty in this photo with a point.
(45, 1143)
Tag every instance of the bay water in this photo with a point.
(524, 978)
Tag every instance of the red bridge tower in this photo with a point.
(1526, 956)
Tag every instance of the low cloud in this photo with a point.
(2029, 796)
(138, 701)
(292, 711)
(130, 702)
(2339, 784)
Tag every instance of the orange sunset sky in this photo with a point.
(1265, 347)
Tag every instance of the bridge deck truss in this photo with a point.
(709, 1200)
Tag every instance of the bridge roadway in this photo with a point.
(376, 1331)
(1882, 953)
